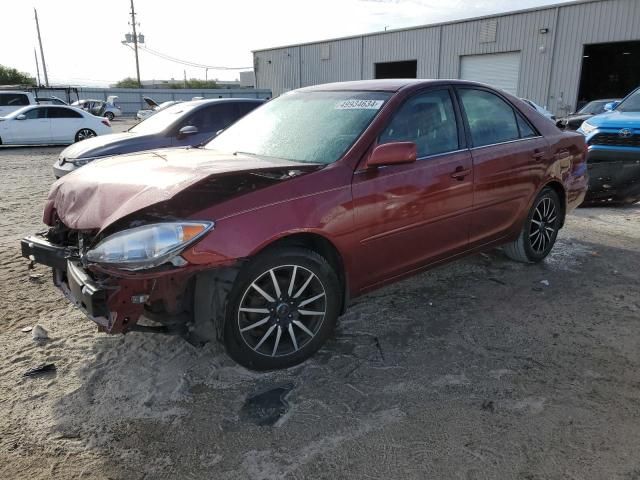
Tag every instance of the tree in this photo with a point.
(11, 76)
(127, 83)
(195, 83)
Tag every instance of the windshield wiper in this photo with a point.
(235, 154)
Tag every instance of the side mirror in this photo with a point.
(393, 154)
(22, 116)
(187, 130)
(610, 106)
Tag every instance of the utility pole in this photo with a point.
(135, 42)
(44, 65)
(37, 66)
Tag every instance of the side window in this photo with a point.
(428, 119)
(35, 113)
(59, 112)
(13, 100)
(213, 118)
(246, 107)
(491, 119)
(525, 129)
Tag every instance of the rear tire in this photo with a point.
(539, 231)
(110, 116)
(84, 133)
(290, 314)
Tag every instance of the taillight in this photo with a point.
(105, 122)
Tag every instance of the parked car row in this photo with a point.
(180, 125)
(261, 236)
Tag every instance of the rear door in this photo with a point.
(33, 129)
(414, 214)
(508, 162)
(65, 123)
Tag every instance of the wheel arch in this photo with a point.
(557, 187)
(322, 246)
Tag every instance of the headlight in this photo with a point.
(147, 246)
(79, 161)
(586, 128)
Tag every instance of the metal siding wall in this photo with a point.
(278, 69)
(130, 99)
(544, 75)
(519, 32)
(343, 63)
(581, 24)
(420, 44)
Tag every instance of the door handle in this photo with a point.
(537, 154)
(460, 172)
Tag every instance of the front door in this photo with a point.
(411, 215)
(33, 129)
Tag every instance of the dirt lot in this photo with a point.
(480, 369)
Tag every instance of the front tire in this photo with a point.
(540, 229)
(84, 133)
(281, 309)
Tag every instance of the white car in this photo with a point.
(541, 110)
(11, 100)
(107, 109)
(142, 114)
(49, 124)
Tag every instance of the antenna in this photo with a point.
(44, 65)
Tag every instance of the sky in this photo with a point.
(82, 38)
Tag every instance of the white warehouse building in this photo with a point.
(559, 56)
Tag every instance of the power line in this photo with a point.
(186, 62)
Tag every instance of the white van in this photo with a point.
(13, 100)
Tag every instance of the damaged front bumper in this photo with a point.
(115, 303)
(614, 174)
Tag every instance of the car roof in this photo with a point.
(207, 101)
(386, 85)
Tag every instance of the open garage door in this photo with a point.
(609, 70)
(500, 70)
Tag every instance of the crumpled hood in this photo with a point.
(104, 191)
(95, 146)
(616, 119)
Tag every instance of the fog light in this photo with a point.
(139, 298)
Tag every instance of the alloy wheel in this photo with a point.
(282, 310)
(84, 134)
(543, 225)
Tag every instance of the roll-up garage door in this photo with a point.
(499, 70)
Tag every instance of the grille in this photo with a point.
(613, 139)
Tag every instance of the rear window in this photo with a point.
(13, 100)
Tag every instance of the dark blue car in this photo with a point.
(181, 125)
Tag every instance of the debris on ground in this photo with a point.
(545, 282)
(489, 406)
(26, 329)
(39, 333)
(40, 370)
(266, 407)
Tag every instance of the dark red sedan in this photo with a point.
(261, 237)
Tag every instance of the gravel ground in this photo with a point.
(483, 368)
